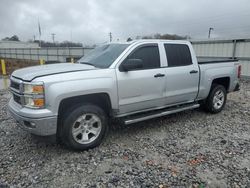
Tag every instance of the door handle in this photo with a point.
(193, 71)
(159, 75)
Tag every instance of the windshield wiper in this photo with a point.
(86, 63)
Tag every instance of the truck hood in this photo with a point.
(30, 73)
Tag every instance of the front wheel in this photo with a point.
(84, 127)
(216, 99)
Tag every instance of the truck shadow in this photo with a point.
(159, 121)
(119, 132)
(126, 134)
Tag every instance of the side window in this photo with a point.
(178, 55)
(149, 55)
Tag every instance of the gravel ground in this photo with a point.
(188, 149)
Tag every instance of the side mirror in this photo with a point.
(132, 64)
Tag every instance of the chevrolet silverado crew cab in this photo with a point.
(131, 82)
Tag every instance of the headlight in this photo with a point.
(33, 88)
(34, 95)
(32, 102)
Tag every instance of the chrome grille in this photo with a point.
(16, 90)
(14, 85)
(17, 98)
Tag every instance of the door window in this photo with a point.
(149, 56)
(178, 55)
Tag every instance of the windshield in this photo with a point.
(103, 56)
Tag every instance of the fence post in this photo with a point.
(72, 60)
(41, 62)
(234, 48)
(3, 67)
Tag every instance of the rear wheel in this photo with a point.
(84, 127)
(216, 99)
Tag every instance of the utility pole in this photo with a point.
(53, 37)
(40, 33)
(70, 35)
(209, 32)
(110, 37)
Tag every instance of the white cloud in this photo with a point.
(90, 21)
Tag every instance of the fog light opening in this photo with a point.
(29, 124)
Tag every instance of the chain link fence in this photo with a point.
(56, 54)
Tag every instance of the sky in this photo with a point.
(91, 21)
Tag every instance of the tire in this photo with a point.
(84, 127)
(216, 99)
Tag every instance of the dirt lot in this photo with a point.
(188, 149)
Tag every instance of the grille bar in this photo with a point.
(15, 85)
(16, 90)
(17, 98)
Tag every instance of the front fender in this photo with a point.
(62, 90)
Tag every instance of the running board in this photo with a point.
(159, 114)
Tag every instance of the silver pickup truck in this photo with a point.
(132, 82)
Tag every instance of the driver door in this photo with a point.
(141, 88)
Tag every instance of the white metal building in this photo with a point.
(17, 44)
(225, 48)
(214, 48)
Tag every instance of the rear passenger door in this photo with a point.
(182, 76)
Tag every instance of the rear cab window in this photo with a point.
(178, 55)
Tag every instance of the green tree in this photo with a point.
(13, 38)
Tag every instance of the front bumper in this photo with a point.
(42, 126)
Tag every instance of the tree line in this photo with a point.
(162, 36)
(78, 44)
(46, 43)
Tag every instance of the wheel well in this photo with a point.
(100, 99)
(225, 81)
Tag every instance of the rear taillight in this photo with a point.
(239, 71)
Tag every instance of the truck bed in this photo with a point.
(208, 60)
(212, 68)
